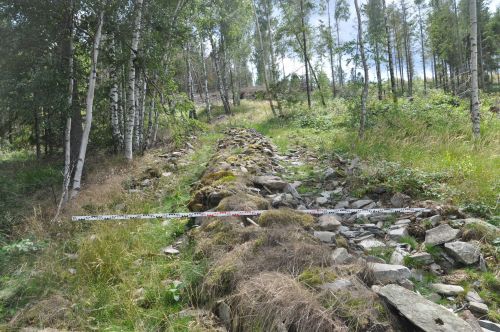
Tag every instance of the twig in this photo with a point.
(253, 222)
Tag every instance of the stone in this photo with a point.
(326, 237)
(402, 222)
(170, 251)
(397, 233)
(270, 182)
(472, 296)
(371, 243)
(436, 269)
(342, 256)
(471, 320)
(398, 256)
(406, 284)
(447, 290)
(479, 308)
(400, 200)
(223, 311)
(284, 200)
(434, 297)
(166, 174)
(337, 285)
(435, 219)
(374, 259)
(321, 200)
(329, 222)
(388, 273)
(464, 252)
(72, 271)
(441, 234)
(342, 205)
(424, 314)
(361, 203)
(486, 324)
(422, 258)
(330, 173)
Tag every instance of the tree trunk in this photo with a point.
(422, 46)
(474, 111)
(220, 83)
(261, 44)
(341, 71)
(130, 116)
(389, 54)
(205, 80)
(114, 109)
(36, 131)
(304, 49)
(90, 104)
(379, 74)
(330, 50)
(364, 94)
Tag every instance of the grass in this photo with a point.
(424, 145)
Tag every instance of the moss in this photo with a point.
(316, 276)
(243, 202)
(341, 242)
(283, 217)
(212, 177)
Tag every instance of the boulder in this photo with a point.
(422, 258)
(329, 222)
(441, 234)
(473, 296)
(400, 200)
(424, 314)
(398, 256)
(326, 237)
(337, 285)
(361, 203)
(486, 324)
(342, 256)
(479, 308)
(397, 233)
(270, 182)
(447, 290)
(463, 252)
(388, 273)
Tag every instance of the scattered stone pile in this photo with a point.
(289, 271)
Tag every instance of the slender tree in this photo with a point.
(364, 94)
(474, 111)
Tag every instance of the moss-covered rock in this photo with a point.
(284, 217)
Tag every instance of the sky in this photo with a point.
(348, 32)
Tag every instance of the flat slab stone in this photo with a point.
(329, 222)
(426, 315)
(447, 290)
(371, 243)
(342, 256)
(441, 234)
(361, 203)
(422, 258)
(397, 233)
(480, 308)
(486, 324)
(337, 285)
(388, 273)
(270, 182)
(326, 237)
(464, 252)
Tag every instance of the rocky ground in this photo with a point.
(288, 271)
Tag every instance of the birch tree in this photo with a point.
(474, 110)
(89, 108)
(364, 95)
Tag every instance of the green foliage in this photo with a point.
(409, 240)
(382, 252)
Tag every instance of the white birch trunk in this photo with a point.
(205, 80)
(88, 117)
(364, 95)
(474, 110)
(130, 116)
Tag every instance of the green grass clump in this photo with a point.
(434, 251)
(316, 276)
(409, 240)
(384, 253)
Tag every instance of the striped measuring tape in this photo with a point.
(238, 214)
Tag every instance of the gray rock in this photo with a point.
(397, 233)
(463, 252)
(342, 256)
(472, 296)
(422, 258)
(170, 251)
(435, 219)
(447, 290)
(326, 237)
(424, 314)
(371, 243)
(406, 284)
(342, 205)
(402, 222)
(400, 200)
(436, 269)
(388, 273)
(223, 311)
(337, 285)
(329, 222)
(270, 182)
(321, 200)
(480, 308)
(434, 297)
(330, 173)
(486, 324)
(286, 200)
(398, 256)
(374, 259)
(361, 203)
(441, 234)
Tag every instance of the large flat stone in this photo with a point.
(326, 237)
(271, 182)
(447, 290)
(426, 315)
(441, 234)
(361, 203)
(464, 252)
(371, 243)
(388, 273)
(329, 222)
